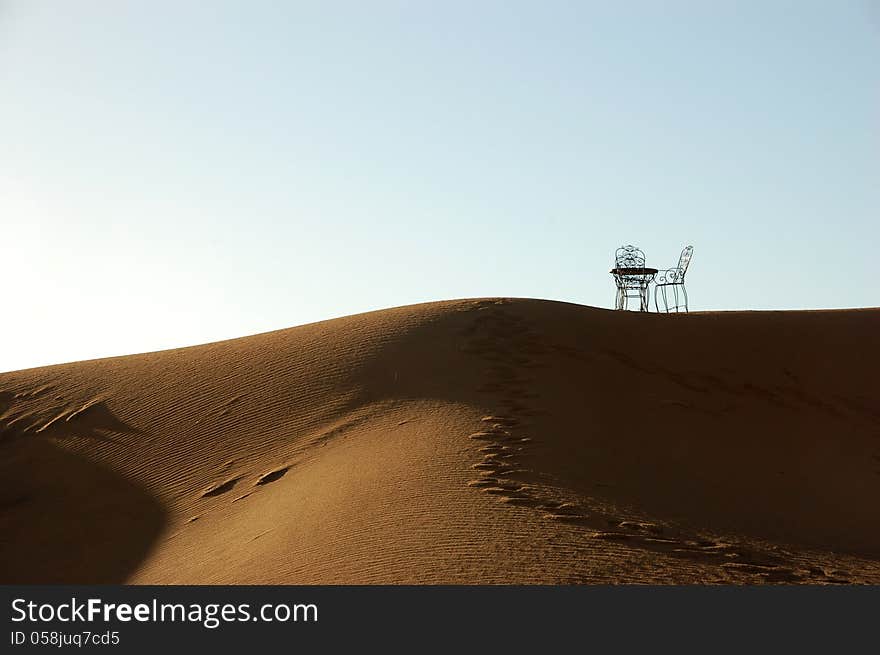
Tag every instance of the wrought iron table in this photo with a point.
(644, 270)
(633, 279)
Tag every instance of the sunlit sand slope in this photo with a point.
(473, 441)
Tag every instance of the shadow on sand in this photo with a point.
(65, 519)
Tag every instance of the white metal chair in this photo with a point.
(672, 279)
(631, 284)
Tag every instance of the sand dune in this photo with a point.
(473, 441)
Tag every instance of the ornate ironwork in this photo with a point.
(629, 257)
(672, 279)
(631, 277)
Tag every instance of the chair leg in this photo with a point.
(684, 291)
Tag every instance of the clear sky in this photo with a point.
(178, 172)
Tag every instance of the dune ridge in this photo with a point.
(472, 441)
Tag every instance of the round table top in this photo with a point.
(634, 271)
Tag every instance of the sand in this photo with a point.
(477, 441)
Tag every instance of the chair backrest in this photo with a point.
(629, 257)
(685, 259)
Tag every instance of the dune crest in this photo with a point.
(471, 441)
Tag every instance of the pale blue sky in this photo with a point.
(179, 172)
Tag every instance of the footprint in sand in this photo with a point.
(272, 476)
(485, 482)
(507, 421)
(221, 488)
(483, 436)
